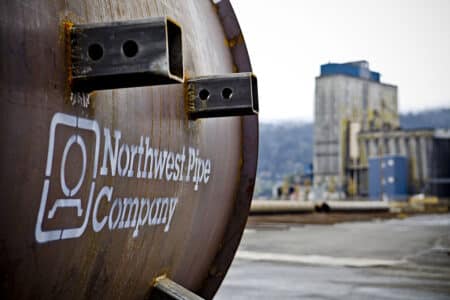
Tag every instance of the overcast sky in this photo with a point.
(407, 41)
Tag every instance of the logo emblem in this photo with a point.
(64, 196)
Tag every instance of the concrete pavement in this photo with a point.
(391, 259)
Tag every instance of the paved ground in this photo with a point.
(393, 259)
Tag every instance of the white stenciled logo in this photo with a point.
(71, 194)
(69, 199)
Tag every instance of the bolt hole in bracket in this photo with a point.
(234, 94)
(126, 54)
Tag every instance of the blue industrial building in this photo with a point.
(388, 176)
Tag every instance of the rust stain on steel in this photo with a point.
(67, 27)
(235, 41)
(207, 223)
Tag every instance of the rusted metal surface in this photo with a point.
(106, 241)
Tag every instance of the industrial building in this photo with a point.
(359, 145)
(347, 97)
(426, 151)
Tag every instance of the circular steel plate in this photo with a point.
(64, 231)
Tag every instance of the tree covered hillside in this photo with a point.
(438, 118)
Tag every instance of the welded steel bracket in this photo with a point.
(234, 94)
(125, 54)
(166, 289)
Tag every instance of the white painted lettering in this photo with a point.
(133, 205)
(142, 220)
(183, 158)
(124, 149)
(122, 157)
(148, 154)
(140, 151)
(134, 151)
(112, 224)
(153, 218)
(106, 191)
(207, 171)
(169, 165)
(191, 163)
(109, 151)
(173, 204)
(162, 217)
(160, 162)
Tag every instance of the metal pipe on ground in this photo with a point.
(280, 206)
(287, 206)
(353, 206)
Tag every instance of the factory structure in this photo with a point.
(360, 150)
